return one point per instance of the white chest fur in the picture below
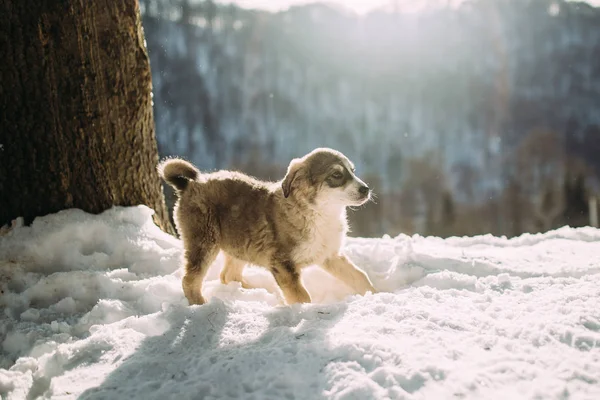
(324, 236)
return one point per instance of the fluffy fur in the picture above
(283, 226)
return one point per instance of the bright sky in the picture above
(359, 6)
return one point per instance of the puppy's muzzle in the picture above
(364, 190)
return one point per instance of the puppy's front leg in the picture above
(288, 279)
(343, 269)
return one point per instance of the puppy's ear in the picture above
(290, 176)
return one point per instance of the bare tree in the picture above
(547, 207)
(76, 109)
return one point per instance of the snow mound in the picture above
(93, 309)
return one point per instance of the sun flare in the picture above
(360, 7)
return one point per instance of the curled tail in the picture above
(177, 172)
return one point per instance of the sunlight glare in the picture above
(360, 7)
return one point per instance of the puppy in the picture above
(283, 226)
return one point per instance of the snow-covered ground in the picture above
(93, 308)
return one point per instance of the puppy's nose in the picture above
(364, 190)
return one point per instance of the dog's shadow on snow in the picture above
(212, 351)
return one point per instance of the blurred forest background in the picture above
(480, 118)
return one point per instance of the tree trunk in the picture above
(76, 109)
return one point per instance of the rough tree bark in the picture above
(77, 127)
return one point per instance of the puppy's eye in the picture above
(337, 175)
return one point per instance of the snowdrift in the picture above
(93, 309)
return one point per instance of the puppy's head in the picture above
(325, 175)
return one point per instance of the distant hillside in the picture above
(448, 104)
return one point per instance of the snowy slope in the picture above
(93, 309)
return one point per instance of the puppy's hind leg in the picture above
(288, 279)
(199, 257)
(232, 271)
(350, 274)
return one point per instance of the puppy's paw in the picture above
(372, 290)
(196, 299)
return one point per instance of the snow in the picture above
(93, 309)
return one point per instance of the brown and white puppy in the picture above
(283, 226)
